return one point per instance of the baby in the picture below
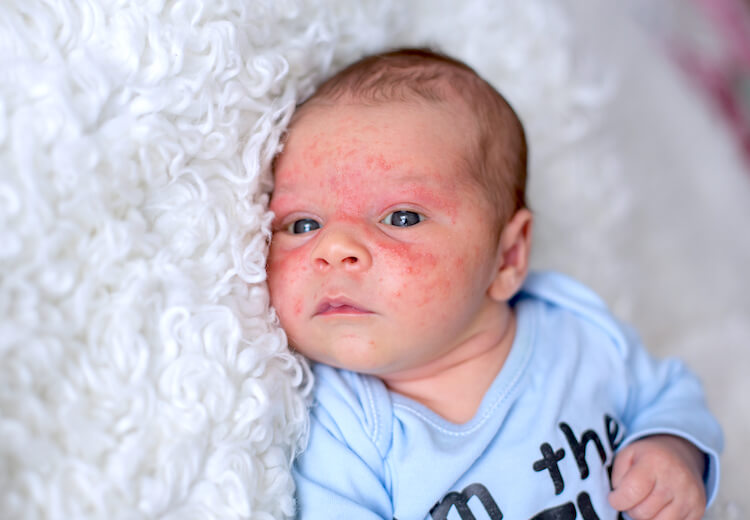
(450, 383)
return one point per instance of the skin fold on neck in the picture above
(453, 386)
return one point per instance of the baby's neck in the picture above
(455, 389)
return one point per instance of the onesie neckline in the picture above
(501, 392)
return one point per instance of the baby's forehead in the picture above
(381, 126)
(329, 115)
(420, 143)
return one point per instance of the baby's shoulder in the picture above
(565, 305)
(562, 290)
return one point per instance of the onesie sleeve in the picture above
(664, 397)
(341, 472)
(661, 397)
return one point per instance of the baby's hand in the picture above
(659, 478)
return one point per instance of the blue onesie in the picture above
(576, 387)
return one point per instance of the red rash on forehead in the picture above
(378, 162)
(312, 155)
(352, 162)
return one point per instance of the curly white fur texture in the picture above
(142, 372)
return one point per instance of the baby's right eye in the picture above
(303, 225)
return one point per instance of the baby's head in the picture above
(400, 227)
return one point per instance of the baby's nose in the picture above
(341, 248)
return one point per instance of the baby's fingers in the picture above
(623, 462)
(633, 487)
(654, 480)
(671, 511)
(658, 505)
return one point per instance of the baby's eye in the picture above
(303, 225)
(403, 218)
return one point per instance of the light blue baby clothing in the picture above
(576, 386)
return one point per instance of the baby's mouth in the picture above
(339, 306)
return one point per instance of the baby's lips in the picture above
(339, 306)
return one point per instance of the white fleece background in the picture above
(142, 374)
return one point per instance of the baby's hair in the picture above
(499, 159)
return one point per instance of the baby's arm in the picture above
(668, 466)
(341, 472)
(659, 478)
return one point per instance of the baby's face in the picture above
(383, 248)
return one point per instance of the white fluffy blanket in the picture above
(142, 373)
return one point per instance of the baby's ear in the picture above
(514, 248)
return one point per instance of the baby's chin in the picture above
(352, 363)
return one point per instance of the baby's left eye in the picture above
(403, 218)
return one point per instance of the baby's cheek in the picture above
(285, 274)
(437, 284)
(406, 258)
(431, 299)
(420, 276)
(284, 265)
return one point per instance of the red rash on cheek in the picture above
(436, 288)
(423, 280)
(286, 270)
(411, 261)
